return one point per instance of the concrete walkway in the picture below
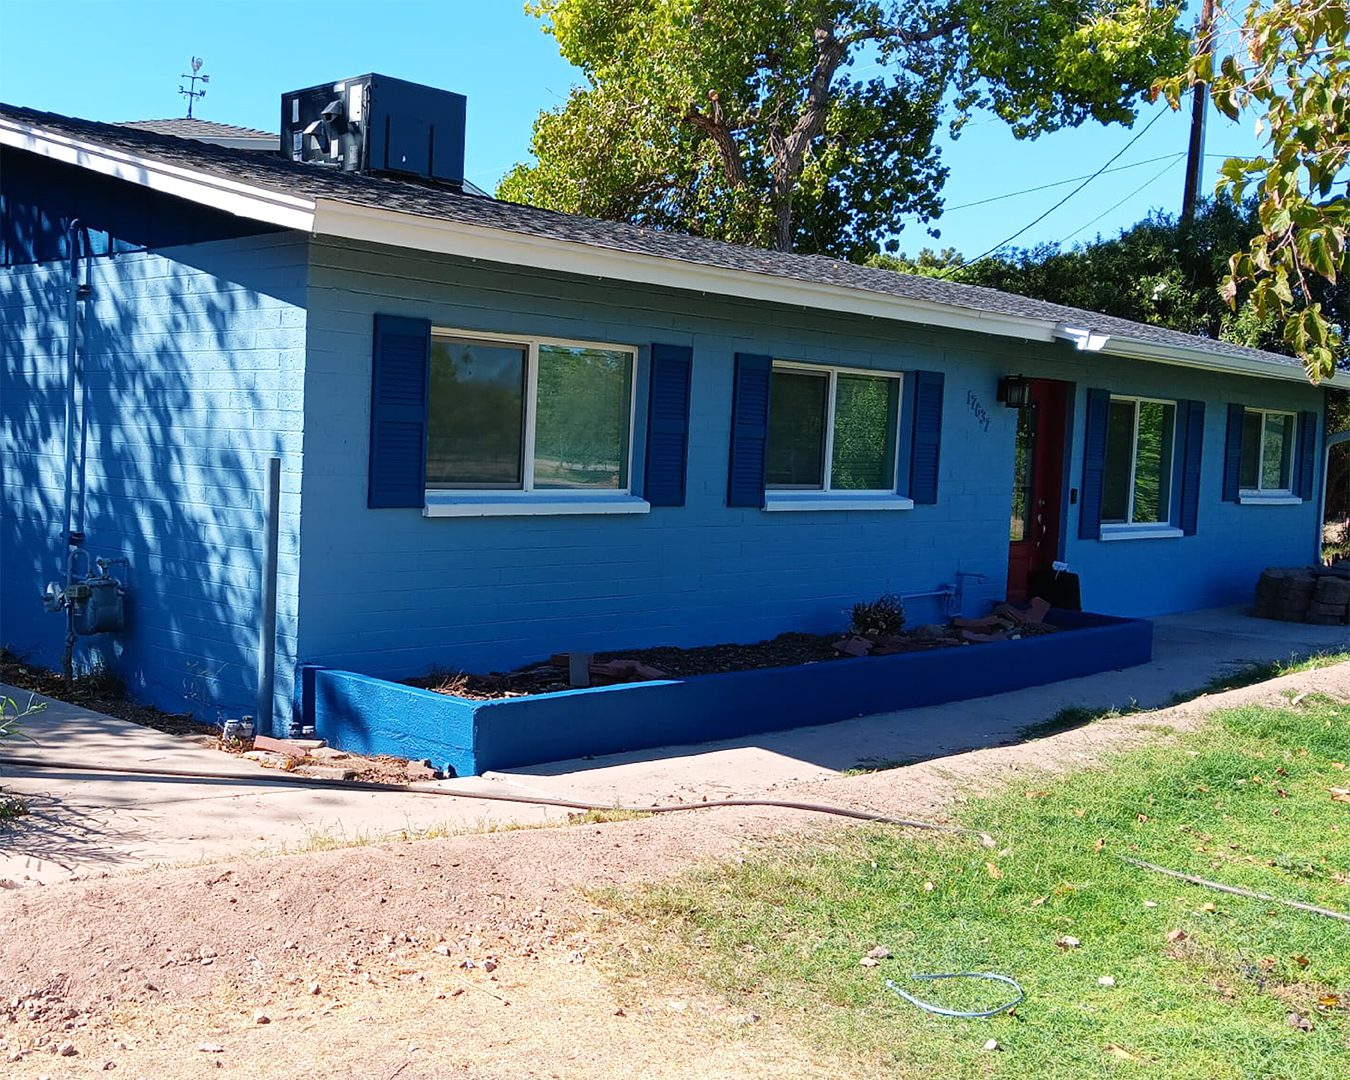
(86, 822)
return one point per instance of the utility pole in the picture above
(192, 93)
(1195, 155)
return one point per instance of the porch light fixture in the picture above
(1014, 391)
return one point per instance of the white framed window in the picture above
(520, 425)
(1266, 467)
(1140, 451)
(833, 438)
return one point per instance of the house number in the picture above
(981, 417)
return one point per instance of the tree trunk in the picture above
(782, 212)
(789, 151)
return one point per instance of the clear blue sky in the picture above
(120, 60)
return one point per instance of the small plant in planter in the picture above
(883, 617)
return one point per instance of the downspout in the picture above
(267, 622)
(79, 291)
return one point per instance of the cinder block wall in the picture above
(391, 592)
(1233, 543)
(194, 365)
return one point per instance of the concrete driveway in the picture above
(85, 822)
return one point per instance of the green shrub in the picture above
(883, 617)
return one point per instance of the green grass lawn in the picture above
(1247, 801)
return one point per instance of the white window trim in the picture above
(1248, 497)
(527, 499)
(1262, 496)
(826, 497)
(801, 499)
(1141, 530)
(495, 503)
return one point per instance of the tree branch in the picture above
(936, 30)
(714, 127)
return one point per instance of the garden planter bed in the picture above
(662, 663)
(367, 715)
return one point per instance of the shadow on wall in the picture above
(193, 379)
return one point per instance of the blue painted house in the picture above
(506, 432)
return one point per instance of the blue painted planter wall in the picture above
(195, 378)
(370, 715)
(390, 593)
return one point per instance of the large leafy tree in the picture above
(1162, 271)
(813, 124)
(1286, 62)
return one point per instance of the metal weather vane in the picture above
(190, 91)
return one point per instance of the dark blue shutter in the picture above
(1191, 430)
(1232, 453)
(749, 430)
(668, 425)
(1094, 464)
(1307, 455)
(925, 452)
(401, 364)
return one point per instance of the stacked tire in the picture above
(1298, 594)
(1330, 602)
(1285, 593)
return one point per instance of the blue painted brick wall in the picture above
(1233, 542)
(390, 592)
(195, 378)
(204, 362)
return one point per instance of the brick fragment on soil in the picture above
(279, 746)
(324, 772)
(422, 770)
(854, 646)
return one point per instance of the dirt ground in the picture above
(477, 956)
(98, 692)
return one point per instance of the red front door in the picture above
(1038, 485)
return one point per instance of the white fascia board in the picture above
(351, 222)
(1182, 356)
(231, 196)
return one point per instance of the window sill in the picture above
(1269, 498)
(530, 504)
(1140, 532)
(834, 500)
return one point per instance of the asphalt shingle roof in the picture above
(192, 127)
(278, 174)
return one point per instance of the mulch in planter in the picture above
(668, 661)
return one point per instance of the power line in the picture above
(1061, 183)
(1114, 158)
(1156, 176)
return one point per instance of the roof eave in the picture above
(379, 226)
(1182, 356)
(352, 221)
(230, 196)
